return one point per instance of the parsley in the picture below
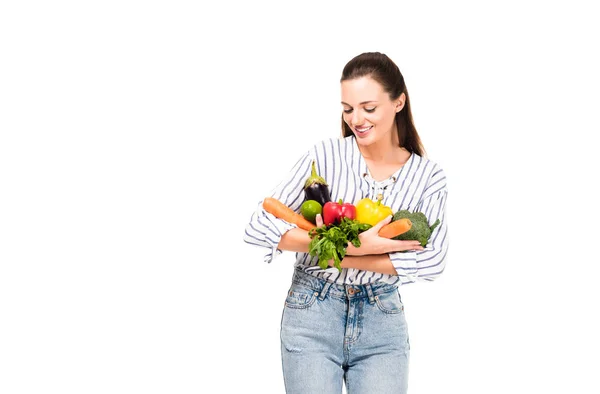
(330, 242)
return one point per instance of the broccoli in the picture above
(420, 230)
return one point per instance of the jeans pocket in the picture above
(389, 302)
(300, 297)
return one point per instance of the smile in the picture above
(363, 129)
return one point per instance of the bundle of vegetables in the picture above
(329, 242)
(340, 227)
(343, 222)
(420, 230)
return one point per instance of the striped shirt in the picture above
(419, 185)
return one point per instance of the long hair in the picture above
(383, 70)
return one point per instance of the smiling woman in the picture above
(375, 103)
(379, 159)
(369, 117)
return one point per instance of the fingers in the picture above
(319, 220)
(382, 223)
(411, 245)
(402, 246)
(417, 246)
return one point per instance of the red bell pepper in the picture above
(333, 212)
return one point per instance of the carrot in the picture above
(282, 211)
(395, 228)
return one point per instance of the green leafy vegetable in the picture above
(330, 242)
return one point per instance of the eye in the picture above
(369, 110)
(348, 111)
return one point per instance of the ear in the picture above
(399, 103)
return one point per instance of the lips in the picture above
(363, 130)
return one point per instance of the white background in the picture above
(138, 137)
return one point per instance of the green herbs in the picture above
(330, 242)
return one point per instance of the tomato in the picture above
(310, 209)
(372, 212)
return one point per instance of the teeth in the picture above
(362, 130)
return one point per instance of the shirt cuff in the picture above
(405, 264)
(281, 227)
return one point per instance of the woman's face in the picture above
(368, 110)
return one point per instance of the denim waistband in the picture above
(324, 287)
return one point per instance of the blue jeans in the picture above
(334, 333)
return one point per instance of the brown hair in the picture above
(383, 70)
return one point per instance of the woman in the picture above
(350, 325)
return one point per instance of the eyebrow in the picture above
(364, 102)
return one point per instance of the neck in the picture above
(378, 153)
(382, 151)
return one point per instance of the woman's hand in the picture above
(372, 243)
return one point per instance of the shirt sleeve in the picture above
(264, 229)
(427, 264)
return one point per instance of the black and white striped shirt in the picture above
(419, 185)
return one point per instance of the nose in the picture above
(357, 118)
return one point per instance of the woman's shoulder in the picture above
(432, 170)
(426, 163)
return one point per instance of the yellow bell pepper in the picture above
(372, 212)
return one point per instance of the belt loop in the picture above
(324, 291)
(370, 293)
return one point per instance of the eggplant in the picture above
(316, 188)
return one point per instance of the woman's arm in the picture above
(374, 262)
(429, 263)
(295, 240)
(372, 244)
(372, 255)
(264, 229)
